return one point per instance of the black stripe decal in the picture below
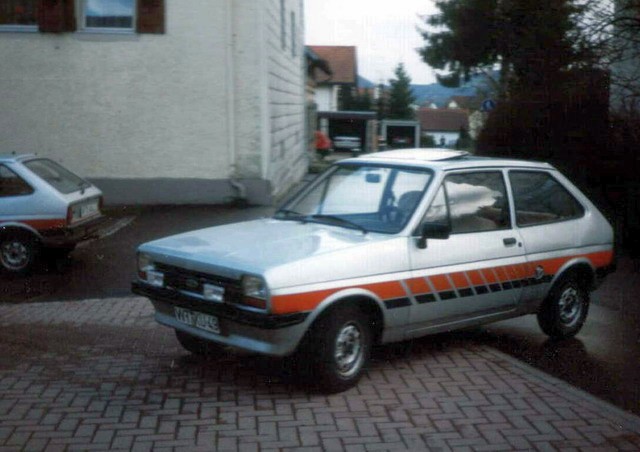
(447, 295)
(495, 287)
(425, 298)
(397, 303)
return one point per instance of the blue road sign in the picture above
(488, 105)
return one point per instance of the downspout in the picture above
(239, 187)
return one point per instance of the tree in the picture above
(531, 41)
(400, 96)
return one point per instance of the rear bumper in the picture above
(61, 237)
(276, 335)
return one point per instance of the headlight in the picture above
(147, 271)
(254, 292)
(254, 287)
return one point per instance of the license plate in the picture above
(198, 319)
(87, 210)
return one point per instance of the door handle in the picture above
(510, 241)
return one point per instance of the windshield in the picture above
(361, 196)
(57, 176)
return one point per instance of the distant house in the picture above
(343, 63)
(317, 70)
(443, 124)
(462, 102)
(158, 101)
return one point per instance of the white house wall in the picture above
(287, 160)
(327, 97)
(162, 118)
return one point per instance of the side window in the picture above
(11, 184)
(477, 202)
(539, 198)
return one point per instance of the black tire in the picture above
(18, 252)
(198, 346)
(340, 346)
(565, 309)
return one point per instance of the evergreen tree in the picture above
(381, 102)
(400, 96)
(532, 41)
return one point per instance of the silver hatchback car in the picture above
(385, 248)
(43, 205)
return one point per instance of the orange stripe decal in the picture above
(459, 280)
(40, 225)
(389, 290)
(475, 277)
(418, 286)
(440, 283)
(489, 276)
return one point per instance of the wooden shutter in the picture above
(150, 17)
(56, 16)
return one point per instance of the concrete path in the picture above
(101, 374)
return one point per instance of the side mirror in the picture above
(439, 231)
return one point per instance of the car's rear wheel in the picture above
(342, 341)
(198, 346)
(18, 251)
(565, 309)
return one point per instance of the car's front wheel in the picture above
(342, 339)
(18, 252)
(565, 309)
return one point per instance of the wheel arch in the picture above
(581, 267)
(364, 300)
(9, 227)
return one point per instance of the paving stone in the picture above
(119, 381)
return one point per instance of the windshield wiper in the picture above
(286, 214)
(335, 219)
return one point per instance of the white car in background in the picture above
(43, 206)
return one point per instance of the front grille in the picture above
(190, 281)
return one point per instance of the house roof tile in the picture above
(443, 120)
(341, 59)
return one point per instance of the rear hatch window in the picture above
(57, 176)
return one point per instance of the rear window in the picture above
(57, 176)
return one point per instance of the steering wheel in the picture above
(390, 214)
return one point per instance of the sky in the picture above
(110, 8)
(384, 32)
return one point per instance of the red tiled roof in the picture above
(443, 119)
(341, 59)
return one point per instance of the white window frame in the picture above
(108, 30)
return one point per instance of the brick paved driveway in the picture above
(102, 375)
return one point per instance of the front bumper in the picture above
(61, 237)
(276, 335)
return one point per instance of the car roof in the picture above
(444, 159)
(13, 158)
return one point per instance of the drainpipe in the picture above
(241, 190)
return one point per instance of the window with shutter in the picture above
(18, 14)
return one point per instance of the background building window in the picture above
(115, 14)
(18, 12)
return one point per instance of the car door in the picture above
(477, 271)
(549, 219)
